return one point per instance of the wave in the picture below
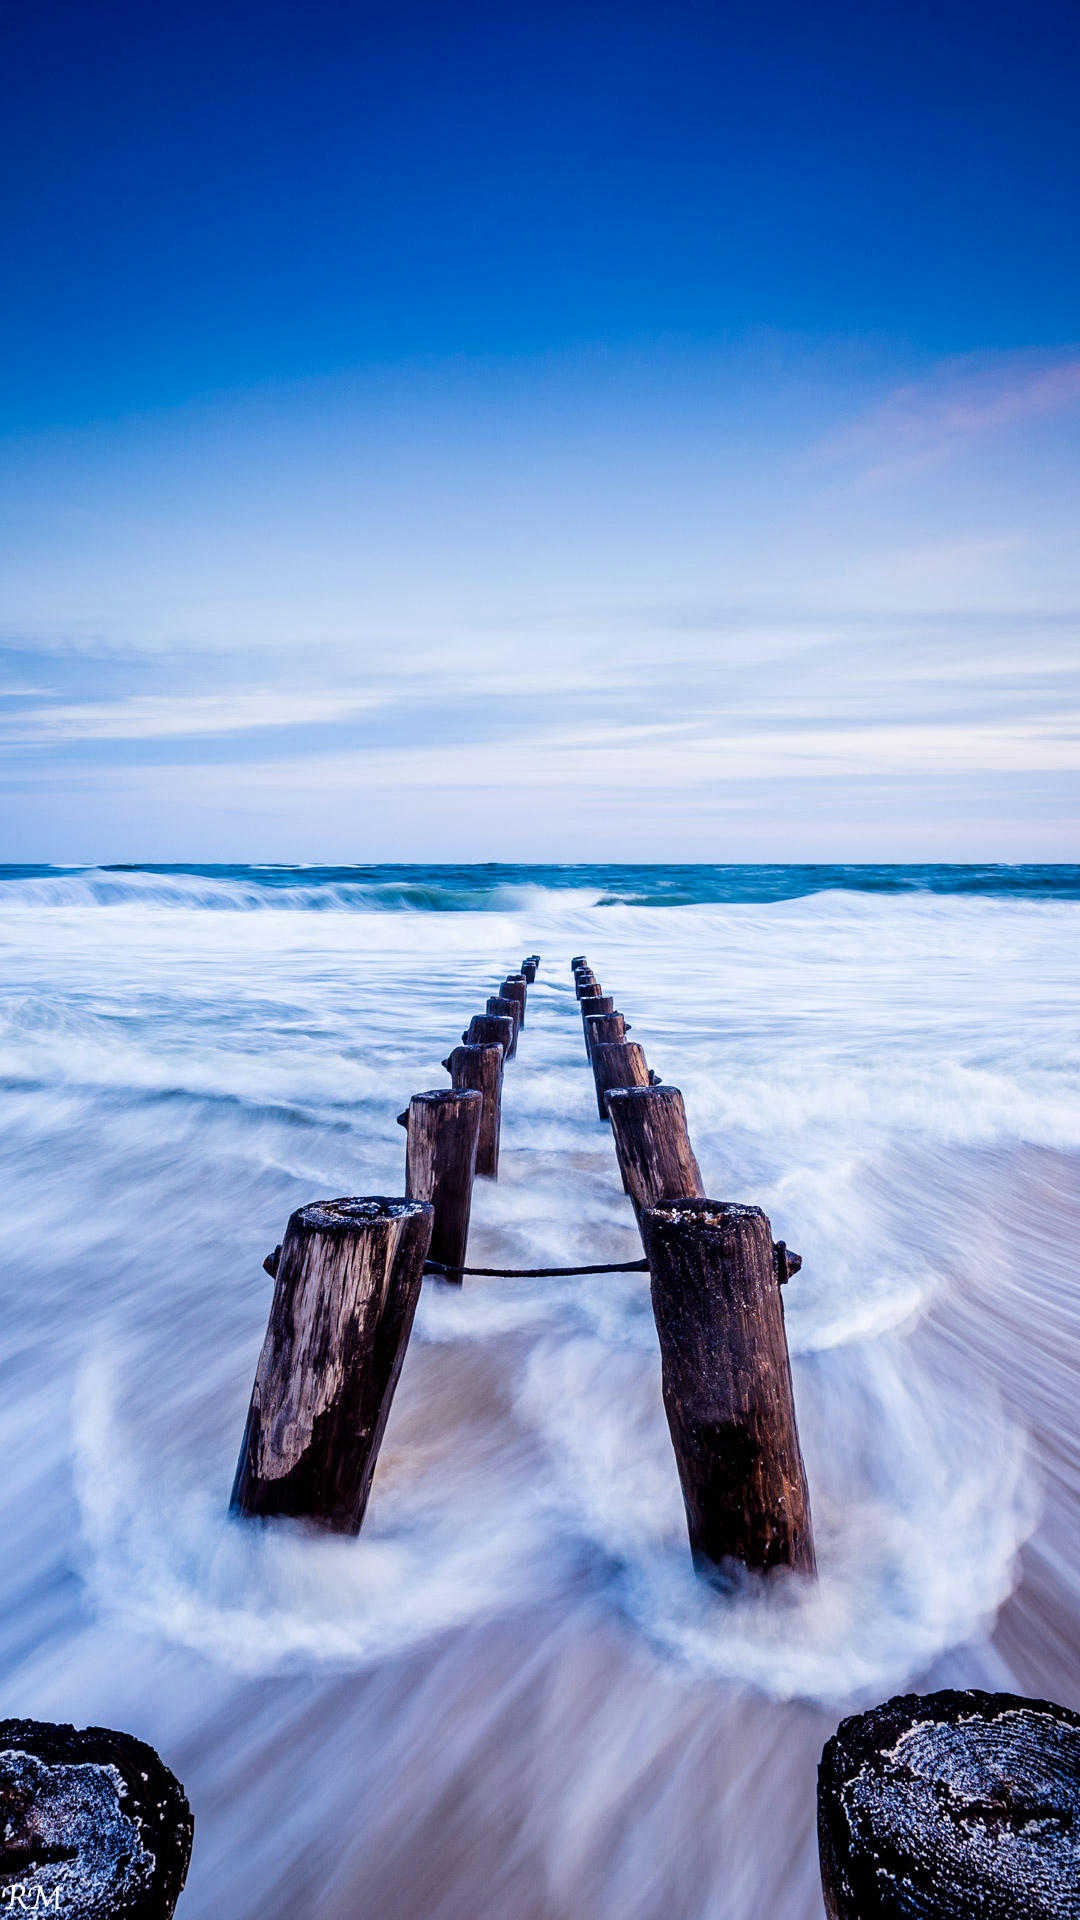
(501, 888)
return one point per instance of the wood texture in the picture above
(587, 986)
(727, 1384)
(594, 1003)
(94, 1824)
(482, 1068)
(579, 960)
(348, 1279)
(948, 1806)
(487, 1029)
(440, 1161)
(528, 968)
(514, 988)
(655, 1157)
(501, 1003)
(601, 1028)
(617, 1063)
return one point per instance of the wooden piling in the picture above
(347, 1282)
(617, 1063)
(501, 1003)
(727, 1384)
(655, 1157)
(579, 960)
(594, 1003)
(440, 1161)
(514, 988)
(94, 1823)
(482, 1068)
(587, 986)
(945, 1806)
(490, 1029)
(600, 1028)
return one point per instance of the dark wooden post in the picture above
(594, 1003)
(514, 988)
(440, 1161)
(579, 960)
(94, 1823)
(529, 966)
(600, 1028)
(727, 1383)
(490, 1029)
(943, 1806)
(617, 1063)
(587, 986)
(501, 1003)
(345, 1292)
(482, 1068)
(656, 1159)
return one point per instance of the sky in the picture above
(586, 433)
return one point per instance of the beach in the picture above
(510, 1696)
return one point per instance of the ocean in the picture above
(510, 1699)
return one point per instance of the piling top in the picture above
(444, 1096)
(672, 1214)
(346, 1216)
(658, 1095)
(975, 1795)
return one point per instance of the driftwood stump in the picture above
(490, 1029)
(94, 1826)
(482, 1068)
(947, 1806)
(655, 1157)
(617, 1063)
(727, 1384)
(346, 1286)
(500, 1003)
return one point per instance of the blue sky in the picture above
(610, 432)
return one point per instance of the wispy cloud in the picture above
(925, 423)
(183, 716)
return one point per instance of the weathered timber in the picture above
(594, 1003)
(528, 968)
(617, 1063)
(945, 1806)
(514, 988)
(482, 1068)
(579, 960)
(587, 987)
(501, 1003)
(490, 1029)
(653, 1147)
(727, 1384)
(95, 1827)
(440, 1161)
(603, 1027)
(345, 1292)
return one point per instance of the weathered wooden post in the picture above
(944, 1806)
(579, 960)
(617, 1063)
(600, 1028)
(490, 1029)
(727, 1384)
(482, 1068)
(94, 1824)
(514, 988)
(501, 1003)
(529, 966)
(443, 1129)
(587, 986)
(346, 1286)
(655, 1157)
(594, 1003)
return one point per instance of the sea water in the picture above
(510, 1699)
